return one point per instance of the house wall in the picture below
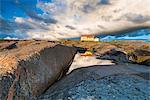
(89, 38)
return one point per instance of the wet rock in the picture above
(28, 70)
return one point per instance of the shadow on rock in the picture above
(101, 82)
(116, 55)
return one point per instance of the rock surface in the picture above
(118, 82)
(33, 70)
(134, 51)
(28, 68)
(122, 81)
(117, 56)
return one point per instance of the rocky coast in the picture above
(55, 70)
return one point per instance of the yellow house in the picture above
(89, 38)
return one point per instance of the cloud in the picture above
(35, 16)
(95, 16)
(137, 18)
(19, 20)
(5, 26)
(17, 28)
(30, 9)
(72, 18)
(20, 26)
(70, 27)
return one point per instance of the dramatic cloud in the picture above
(17, 28)
(137, 18)
(77, 17)
(20, 26)
(31, 10)
(5, 26)
(72, 18)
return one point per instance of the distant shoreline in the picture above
(129, 36)
(138, 35)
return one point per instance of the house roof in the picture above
(87, 35)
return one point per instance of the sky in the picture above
(143, 34)
(58, 19)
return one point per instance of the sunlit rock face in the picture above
(28, 68)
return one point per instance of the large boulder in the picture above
(28, 68)
(117, 82)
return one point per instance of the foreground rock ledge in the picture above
(102, 82)
(28, 68)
